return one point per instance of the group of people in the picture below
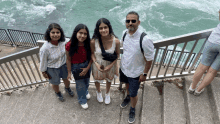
(60, 57)
(80, 55)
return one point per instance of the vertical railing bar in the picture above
(33, 41)
(15, 72)
(155, 57)
(183, 58)
(21, 72)
(31, 69)
(25, 70)
(164, 58)
(9, 37)
(189, 56)
(11, 73)
(38, 58)
(4, 80)
(197, 56)
(16, 37)
(7, 76)
(170, 59)
(38, 72)
(179, 57)
(191, 60)
(161, 60)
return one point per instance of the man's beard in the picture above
(131, 28)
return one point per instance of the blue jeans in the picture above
(82, 85)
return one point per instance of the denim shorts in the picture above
(133, 83)
(80, 65)
(211, 56)
(57, 73)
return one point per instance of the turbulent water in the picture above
(159, 18)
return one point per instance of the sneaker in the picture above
(196, 93)
(107, 98)
(125, 102)
(131, 116)
(60, 96)
(88, 96)
(190, 90)
(68, 90)
(84, 106)
(99, 96)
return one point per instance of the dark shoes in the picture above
(68, 90)
(125, 102)
(60, 96)
(131, 115)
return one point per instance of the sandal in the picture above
(196, 93)
(190, 90)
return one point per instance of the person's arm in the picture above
(148, 48)
(117, 50)
(43, 62)
(68, 64)
(92, 45)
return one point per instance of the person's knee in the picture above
(203, 68)
(212, 71)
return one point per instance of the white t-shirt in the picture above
(215, 35)
(132, 61)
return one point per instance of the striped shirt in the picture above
(52, 56)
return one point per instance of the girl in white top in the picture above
(209, 62)
(102, 69)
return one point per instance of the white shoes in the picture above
(194, 91)
(107, 98)
(99, 96)
(84, 106)
(88, 96)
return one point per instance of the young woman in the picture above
(53, 59)
(102, 69)
(78, 54)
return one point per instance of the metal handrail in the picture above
(22, 69)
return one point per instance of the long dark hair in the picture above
(50, 27)
(97, 34)
(74, 41)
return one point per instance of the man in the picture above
(134, 64)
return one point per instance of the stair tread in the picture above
(125, 111)
(34, 105)
(215, 86)
(174, 109)
(19, 110)
(151, 109)
(9, 106)
(200, 111)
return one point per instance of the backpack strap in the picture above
(124, 36)
(141, 39)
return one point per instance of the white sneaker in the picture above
(84, 106)
(99, 96)
(88, 96)
(107, 98)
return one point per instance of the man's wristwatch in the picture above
(145, 74)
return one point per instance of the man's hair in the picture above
(133, 12)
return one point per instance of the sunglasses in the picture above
(128, 21)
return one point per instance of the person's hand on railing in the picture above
(142, 78)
